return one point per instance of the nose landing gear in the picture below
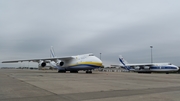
(88, 71)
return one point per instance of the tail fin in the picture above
(123, 62)
(52, 54)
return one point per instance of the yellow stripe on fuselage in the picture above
(88, 63)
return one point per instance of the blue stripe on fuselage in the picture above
(162, 67)
(126, 67)
(82, 67)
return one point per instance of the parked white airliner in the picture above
(148, 67)
(86, 62)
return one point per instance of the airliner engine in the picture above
(136, 67)
(60, 63)
(146, 67)
(42, 64)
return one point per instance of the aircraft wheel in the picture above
(61, 71)
(73, 71)
(88, 71)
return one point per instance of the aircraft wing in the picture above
(42, 59)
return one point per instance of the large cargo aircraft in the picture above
(148, 67)
(86, 62)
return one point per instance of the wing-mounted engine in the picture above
(60, 63)
(147, 67)
(42, 63)
(137, 68)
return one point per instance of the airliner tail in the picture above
(123, 62)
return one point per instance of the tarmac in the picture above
(48, 85)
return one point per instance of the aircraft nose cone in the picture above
(178, 68)
(99, 62)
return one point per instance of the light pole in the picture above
(151, 54)
(100, 56)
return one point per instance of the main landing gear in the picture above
(88, 71)
(74, 71)
(64, 71)
(61, 71)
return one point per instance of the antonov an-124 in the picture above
(86, 62)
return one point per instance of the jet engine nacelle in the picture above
(137, 68)
(61, 63)
(146, 67)
(42, 64)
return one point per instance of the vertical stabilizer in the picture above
(52, 54)
(123, 62)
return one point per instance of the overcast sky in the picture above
(28, 28)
